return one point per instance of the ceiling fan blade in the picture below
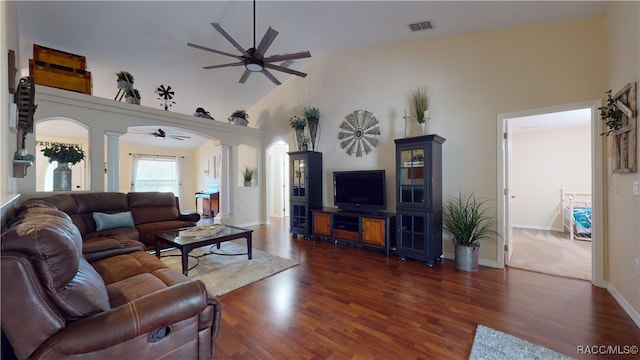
(270, 76)
(244, 76)
(284, 69)
(283, 57)
(266, 41)
(230, 39)
(213, 50)
(223, 65)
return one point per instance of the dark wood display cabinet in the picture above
(305, 181)
(359, 229)
(419, 198)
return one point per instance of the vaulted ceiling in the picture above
(148, 38)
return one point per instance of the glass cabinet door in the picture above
(299, 177)
(411, 173)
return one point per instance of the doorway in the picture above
(277, 180)
(536, 168)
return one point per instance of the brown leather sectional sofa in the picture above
(152, 212)
(72, 291)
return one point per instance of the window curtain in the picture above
(134, 172)
(178, 186)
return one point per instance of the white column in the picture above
(225, 182)
(113, 160)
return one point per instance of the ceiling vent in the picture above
(422, 25)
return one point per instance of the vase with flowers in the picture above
(65, 155)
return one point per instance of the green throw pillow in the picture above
(110, 221)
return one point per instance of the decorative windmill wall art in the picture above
(357, 133)
(166, 94)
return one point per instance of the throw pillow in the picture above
(110, 221)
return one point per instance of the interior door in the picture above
(508, 195)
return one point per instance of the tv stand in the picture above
(360, 229)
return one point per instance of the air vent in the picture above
(422, 25)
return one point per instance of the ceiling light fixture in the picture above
(254, 65)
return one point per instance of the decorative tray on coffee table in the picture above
(200, 231)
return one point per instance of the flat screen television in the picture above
(362, 191)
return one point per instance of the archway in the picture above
(62, 130)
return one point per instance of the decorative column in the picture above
(225, 183)
(113, 160)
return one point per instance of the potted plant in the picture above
(23, 155)
(313, 115)
(420, 99)
(468, 221)
(304, 144)
(201, 112)
(248, 176)
(298, 124)
(611, 115)
(125, 80)
(132, 96)
(239, 117)
(64, 155)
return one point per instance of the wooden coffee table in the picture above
(186, 244)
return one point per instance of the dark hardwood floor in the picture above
(347, 303)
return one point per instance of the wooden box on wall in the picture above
(60, 76)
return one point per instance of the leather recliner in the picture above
(124, 304)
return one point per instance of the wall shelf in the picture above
(20, 168)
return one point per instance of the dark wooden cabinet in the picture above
(210, 203)
(358, 229)
(321, 223)
(419, 198)
(305, 181)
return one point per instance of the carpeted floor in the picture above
(551, 252)
(224, 273)
(490, 344)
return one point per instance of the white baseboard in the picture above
(481, 261)
(633, 314)
(249, 224)
(534, 227)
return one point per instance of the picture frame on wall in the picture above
(624, 140)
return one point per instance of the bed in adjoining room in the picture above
(576, 214)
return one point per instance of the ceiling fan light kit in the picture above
(253, 59)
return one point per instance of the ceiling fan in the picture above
(162, 134)
(253, 59)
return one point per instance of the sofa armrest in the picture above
(195, 217)
(139, 317)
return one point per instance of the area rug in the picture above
(492, 344)
(225, 273)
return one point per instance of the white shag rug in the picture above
(492, 344)
(225, 273)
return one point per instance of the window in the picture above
(155, 173)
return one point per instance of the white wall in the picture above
(544, 161)
(471, 78)
(622, 234)
(9, 38)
